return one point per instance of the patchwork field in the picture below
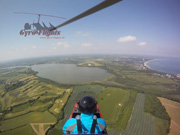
(27, 100)
(173, 109)
(60, 102)
(23, 122)
(140, 124)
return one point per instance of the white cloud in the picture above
(86, 45)
(83, 34)
(126, 39)
(64, 44)
(142, 44)
(34, 47)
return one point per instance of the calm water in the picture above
(171, 66)
(70, 73)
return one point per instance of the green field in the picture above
(26, 99)
(111, 101)
(24, 92)
(154, 107)
(34, 117)
(92, 63)
(116, 107)
(27, 130)
(59, 103)
(140, 124)
(162, 126)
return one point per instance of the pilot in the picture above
(86, 122)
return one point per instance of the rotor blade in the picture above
(92, 10)
(25, 13)
(52, 16)
(39, 14)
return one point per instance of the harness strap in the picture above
(79, 127)
(94, 124)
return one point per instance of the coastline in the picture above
(146, 63)
(167, 71)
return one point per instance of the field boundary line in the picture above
(175, 124)
(14, 128)
(172, 105)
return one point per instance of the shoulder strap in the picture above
(94, 124)
(79, 127)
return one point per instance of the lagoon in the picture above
(70, 73)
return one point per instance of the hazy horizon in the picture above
(80, 55)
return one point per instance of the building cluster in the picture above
(140, 67)
(158, 75)
(164, 75)
(178, 76)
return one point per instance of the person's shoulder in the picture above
(102, 121)
(70, 122)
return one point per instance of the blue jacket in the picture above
(86, 123)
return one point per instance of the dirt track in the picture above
(41, 131)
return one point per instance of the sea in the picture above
(166, 65)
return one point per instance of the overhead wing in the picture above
(92, 10)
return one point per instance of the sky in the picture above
(143, 27)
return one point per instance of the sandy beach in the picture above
(146, 63)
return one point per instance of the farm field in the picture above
(140, 124)
(93, 63)
(173, 109)
(60, 102)
(116, 107)
(154, 108)
(20, 131)
(23, 122)
(27, 99)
